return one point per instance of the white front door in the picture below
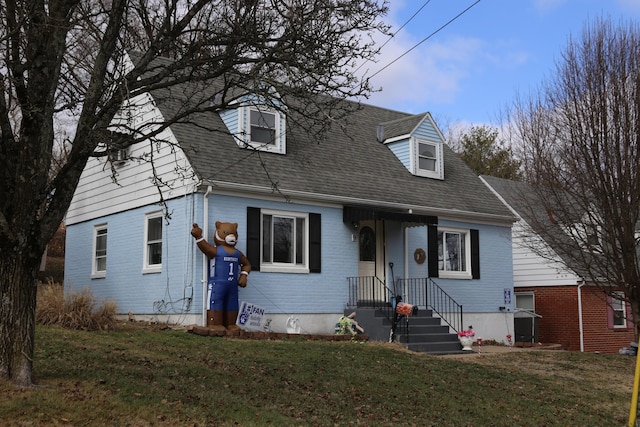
(371, 262)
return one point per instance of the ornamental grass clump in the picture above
(75, 310)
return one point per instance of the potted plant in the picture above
(466, 338)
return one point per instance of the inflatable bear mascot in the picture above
(231, 270)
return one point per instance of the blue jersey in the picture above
(227, 266)
(223, 280)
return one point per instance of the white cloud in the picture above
(428, 75)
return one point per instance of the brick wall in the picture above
(558, 306)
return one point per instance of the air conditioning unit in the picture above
(120, 157)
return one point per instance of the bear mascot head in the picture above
(231, 270)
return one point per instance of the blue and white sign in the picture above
(250, 316)
(507, 296)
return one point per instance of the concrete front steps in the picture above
(425, 333)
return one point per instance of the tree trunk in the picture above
(635, 314)
(18, 287)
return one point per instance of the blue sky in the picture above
(470, 70)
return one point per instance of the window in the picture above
(153, 243)
(452, 251)
(428, 159)
(282, 241)
(264, 129)
(99, 268)
(455, 253)
(618, 310)
(367, 244)
(427, 156)
(284, 238)
(525, 301)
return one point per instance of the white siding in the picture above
(97, 194)
(531, 269)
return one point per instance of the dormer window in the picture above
(427, 156)
(263, 129)
(428, 160)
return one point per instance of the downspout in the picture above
(406, 258)
(205, 260)
(580, 325)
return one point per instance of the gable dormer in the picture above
(257, 126)
(417, 143)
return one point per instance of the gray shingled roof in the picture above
(349, 165)
(521, 197)
(400, 127)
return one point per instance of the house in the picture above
(554, 303)
(379, 207)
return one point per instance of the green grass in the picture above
(137, 376)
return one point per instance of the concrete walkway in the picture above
(494, 349)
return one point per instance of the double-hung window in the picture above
(458, 253)
(263, 129)
(99, 265)
(283, 241)
(618, 311)
(153, 243)
(453, 255)
(428, 160)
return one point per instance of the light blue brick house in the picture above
(379, 207)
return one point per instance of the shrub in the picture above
(75, 310)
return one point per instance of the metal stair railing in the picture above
(368, 291)
(427, 294)
(372, 292)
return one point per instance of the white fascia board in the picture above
(450, 214)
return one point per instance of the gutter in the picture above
(452, 214)
(580, 325)
(205, 260)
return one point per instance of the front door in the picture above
(371, 269)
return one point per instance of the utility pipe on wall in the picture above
(580, 325)
(205, 260)
(406, 258)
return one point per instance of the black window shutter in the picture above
(475, 254)
(253, 237)
(315, 247)
(432, 251)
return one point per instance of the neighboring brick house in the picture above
(568, 310)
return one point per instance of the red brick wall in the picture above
(558, 306)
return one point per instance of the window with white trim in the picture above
(264, 129)
(428, 161)
(283, 241)
(262, 125)
(99, 265)
(454, 253)
(153, 243)
(619, 309)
